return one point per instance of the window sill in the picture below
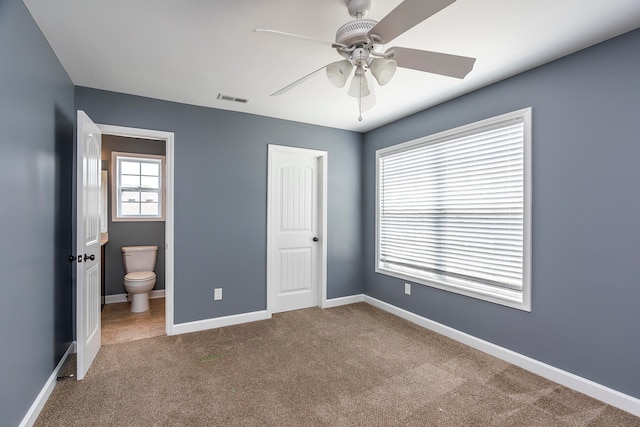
(507, 297)
(138, 219)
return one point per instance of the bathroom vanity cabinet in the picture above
(104, 239)
(102, 281)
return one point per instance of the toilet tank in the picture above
(139, 258)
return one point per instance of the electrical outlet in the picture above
(407, 288)
(217, 294)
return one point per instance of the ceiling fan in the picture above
(361, 42)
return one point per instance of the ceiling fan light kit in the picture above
(338, 72)
(383, 69)
(360, 43)
(359, 87)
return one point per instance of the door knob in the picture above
(89, 257)
(315, 239)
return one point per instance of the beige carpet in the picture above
(346, 366)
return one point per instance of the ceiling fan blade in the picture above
(406, 15)
(293, 36)
(297, 82)
(433, 62)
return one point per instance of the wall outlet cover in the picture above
(217, 294)
(407, 288)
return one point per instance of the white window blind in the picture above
(451, 209)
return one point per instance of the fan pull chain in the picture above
(360, 101)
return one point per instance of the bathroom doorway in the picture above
(118, 323)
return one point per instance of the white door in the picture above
(294, 232)
(88, 330)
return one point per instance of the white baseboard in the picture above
(219, 322)
(33, 412)
(113, 299)
(567, 379)
(336, 302)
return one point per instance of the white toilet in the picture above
(139, 263)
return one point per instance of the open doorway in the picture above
(119, 322)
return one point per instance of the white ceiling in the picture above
(189, 51)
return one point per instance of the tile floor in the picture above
(120, 325)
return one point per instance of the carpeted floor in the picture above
(347, 366)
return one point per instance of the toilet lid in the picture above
(140, 275)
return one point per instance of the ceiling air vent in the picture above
(232, 98)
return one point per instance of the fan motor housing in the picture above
(355, 32)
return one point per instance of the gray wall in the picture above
(586, 215)
(36, 139)
(221, 198)
(138, 233)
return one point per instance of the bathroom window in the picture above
(454, 209)
(137, 187)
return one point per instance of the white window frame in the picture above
(519, 299)
(115, 187)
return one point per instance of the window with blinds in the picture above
(453, 210)
(138, 187)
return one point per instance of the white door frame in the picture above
(323, 158)
(168, 138)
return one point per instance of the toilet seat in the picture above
(138, 284)
(139, 276)
(139, 281)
